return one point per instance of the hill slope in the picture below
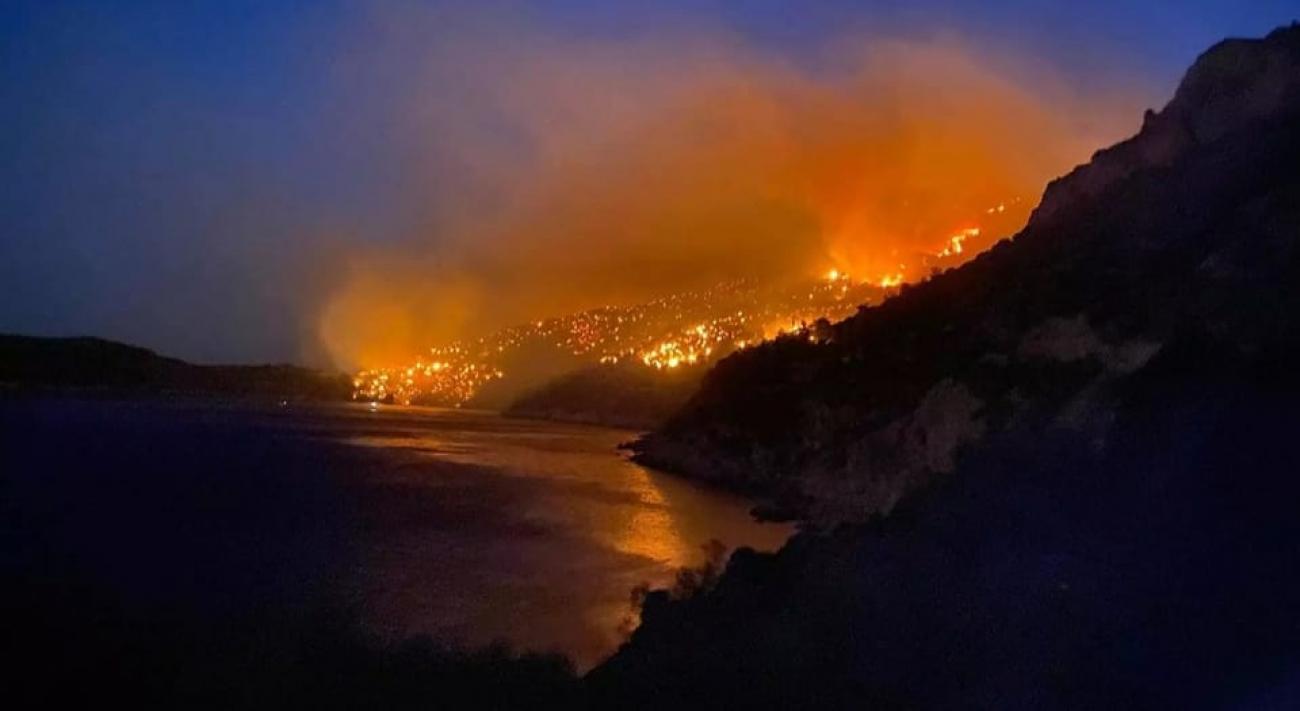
(1189, 228)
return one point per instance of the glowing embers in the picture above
(671, 332)
(696, 344)
(450, 380)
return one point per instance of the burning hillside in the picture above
(687, 328)
(684, 329)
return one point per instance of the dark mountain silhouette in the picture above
(1083, 440)
(1187, 229)
(28, 362)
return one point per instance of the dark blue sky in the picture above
(181, 175)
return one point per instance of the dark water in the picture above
(464, 526)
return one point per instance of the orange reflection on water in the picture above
(650, 530)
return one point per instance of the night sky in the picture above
(193, 177)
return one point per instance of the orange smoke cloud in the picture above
(597, 174)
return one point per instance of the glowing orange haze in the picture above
(633, 171)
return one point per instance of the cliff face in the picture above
(1232, 86)
(1188, 230)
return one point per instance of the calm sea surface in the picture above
(464, 526)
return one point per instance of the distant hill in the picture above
(1188, 230)
(28, 362)
(620, 395)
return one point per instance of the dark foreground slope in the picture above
(28, 362)
(1164, 573)
(1190, 227)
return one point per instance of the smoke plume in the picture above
(561, 175)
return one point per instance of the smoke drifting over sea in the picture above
(563, 176)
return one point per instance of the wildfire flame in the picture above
(891, 281)
(954, 245)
